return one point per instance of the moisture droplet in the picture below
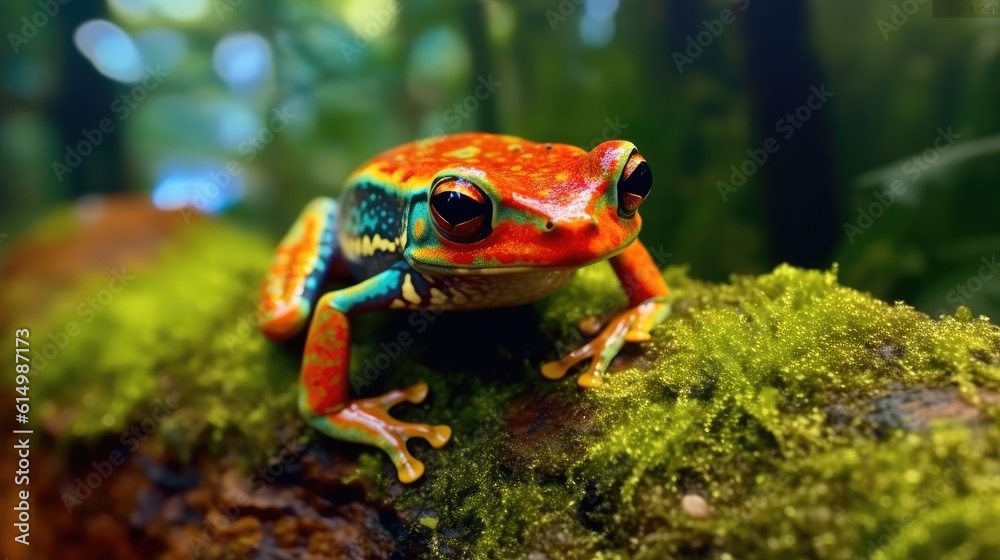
(963, 313)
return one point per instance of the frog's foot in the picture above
(630, 325)
(368, 421)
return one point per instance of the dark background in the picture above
(353, 77)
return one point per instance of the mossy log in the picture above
(777, 416)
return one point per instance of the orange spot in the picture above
(324, 366)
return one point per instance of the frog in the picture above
(457, 222)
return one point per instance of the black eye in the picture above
(461, 210)
(634, 185)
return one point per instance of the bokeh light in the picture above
(369, 19)
(233, 122)
(131, 9)
(597, 27)
(439, 60)
(243, 61)
(163, 47)
(209, 187)
(182, 10)
(110, 49)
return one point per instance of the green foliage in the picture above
(930, 240)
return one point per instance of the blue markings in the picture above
(326, 252)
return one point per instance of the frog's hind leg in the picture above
(323, 397)
(306, 255)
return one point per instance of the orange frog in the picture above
(465, 221)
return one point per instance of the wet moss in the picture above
(784, 401)
(755, 395)
(173, 352)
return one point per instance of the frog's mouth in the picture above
(496, 268)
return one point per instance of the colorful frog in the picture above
(458, 222)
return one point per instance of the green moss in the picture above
(774, 374)
(917, 495)
(773, 397)
(181, 333)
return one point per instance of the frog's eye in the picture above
(461, 210)
(634, 185)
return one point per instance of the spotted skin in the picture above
(301, 262)
(552, 208)
(371, 236)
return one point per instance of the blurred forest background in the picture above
(249, 109)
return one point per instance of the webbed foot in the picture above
(368, 421)
(630, 325)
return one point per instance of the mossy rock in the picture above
(779, 416)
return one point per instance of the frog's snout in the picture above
(571, 227)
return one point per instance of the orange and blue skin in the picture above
(458, 222)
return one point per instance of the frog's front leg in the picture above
(648, 307)
(323, 397)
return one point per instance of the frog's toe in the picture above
(368, 421)
(555, 370)
(414, 394)
(590, 326)
(637, 335)
(408, 467)
(589, 380)
(600, 351)
(559, 368)
(438, 436)
(630, 325)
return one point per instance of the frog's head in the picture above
(522, 206)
